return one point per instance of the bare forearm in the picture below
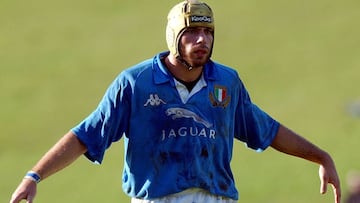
(63, 153)
(291, 143)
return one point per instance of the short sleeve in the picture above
(254, 127)
(107, 122)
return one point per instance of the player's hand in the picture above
(328, 175)
(26, 190)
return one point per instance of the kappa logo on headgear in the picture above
(154, 100)
(219, 96)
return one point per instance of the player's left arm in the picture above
(289, 142)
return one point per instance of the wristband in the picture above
(33, 176)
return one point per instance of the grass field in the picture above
(300, 61)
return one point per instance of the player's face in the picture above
(196, 44)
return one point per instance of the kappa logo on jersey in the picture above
(176, 113)
(154, 100)
(219, 96)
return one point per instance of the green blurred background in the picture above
(299, 60)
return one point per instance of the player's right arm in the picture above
(62, 154)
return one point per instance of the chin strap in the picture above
(189, 67)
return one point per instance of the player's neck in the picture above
(180, 71)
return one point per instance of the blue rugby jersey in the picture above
(172, 145)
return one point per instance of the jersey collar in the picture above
(162, 75)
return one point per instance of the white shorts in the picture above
(189, 196)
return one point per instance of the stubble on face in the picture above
(195, 47)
